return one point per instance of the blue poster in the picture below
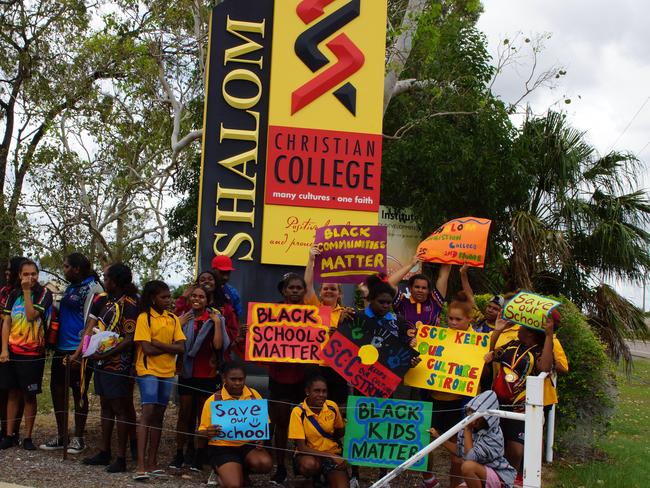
(384, 432)
(241, 420)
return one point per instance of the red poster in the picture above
(323, 168)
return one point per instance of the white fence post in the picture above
(534, 431)
(550, 434)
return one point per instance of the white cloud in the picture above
(604, 47)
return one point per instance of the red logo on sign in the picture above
(349, 57)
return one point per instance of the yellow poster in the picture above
(290, 232)
(452, 360)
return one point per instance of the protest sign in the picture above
(529, 310)
(459, 241)
(385, 432)
(368, 356)
(452, 360)
(284, 333)
(241, 420)
(349, 253)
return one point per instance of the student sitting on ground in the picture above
(230, 458)
(316, 426)
(481, 447)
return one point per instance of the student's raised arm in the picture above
(464, 279)
(443, 279)
(309, 271)
(397, 276)
(545, 363)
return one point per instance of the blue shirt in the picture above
(233, 295)
(72, 313)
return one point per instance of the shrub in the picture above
(588, 391)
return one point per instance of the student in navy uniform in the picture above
(115, 310)
(26, 315)
(73, 312)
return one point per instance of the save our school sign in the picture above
(279, 332)
(241, 420)
(452, 360)
(349, 253)
(529, 310)
(384, 432)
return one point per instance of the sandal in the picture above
(141, 476)
(158, 473)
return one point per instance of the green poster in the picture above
(384, 432)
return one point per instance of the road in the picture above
(640, 349)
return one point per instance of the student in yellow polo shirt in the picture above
(158, 338)
(228, 458)
(316, 426)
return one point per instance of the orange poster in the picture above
(459, 241)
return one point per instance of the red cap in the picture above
(222, 263)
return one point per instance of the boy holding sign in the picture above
(228, 457)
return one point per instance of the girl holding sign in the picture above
(317, 427)
(286, 380)
(159, 338)
(331, 295)
(448, 408)
(530, 354)
(228, 458)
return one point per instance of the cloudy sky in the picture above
(604, 47)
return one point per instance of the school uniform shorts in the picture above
(155, 390)
(23, 372)
(219, 455)
(112, 385)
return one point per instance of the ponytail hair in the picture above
(150, 290)
(378, 285)
(462, 302)
(120, 274)
(78, 260)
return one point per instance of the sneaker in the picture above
(8, 441)
(354, 482)
(213, 480)
(28, 445)
(177, 462)
(117, 466)
(280, 476)
(54, 444)
(431, 482)
(76, 445)
(100, 459)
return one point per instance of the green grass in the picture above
(626, 449)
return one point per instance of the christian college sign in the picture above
(292, 126)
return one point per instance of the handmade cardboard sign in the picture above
(349, 253)
(368, 356)
(529, 310)
(241, 420)
(459, 241)
(279, 332)
(452, 360)
(383, 433)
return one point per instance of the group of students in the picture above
(198, 343)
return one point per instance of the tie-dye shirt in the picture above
(27, 337)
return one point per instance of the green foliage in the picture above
(587, 393)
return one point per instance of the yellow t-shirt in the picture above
(206, 414)
(164, 328)
(559, 357)
(329, 418)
